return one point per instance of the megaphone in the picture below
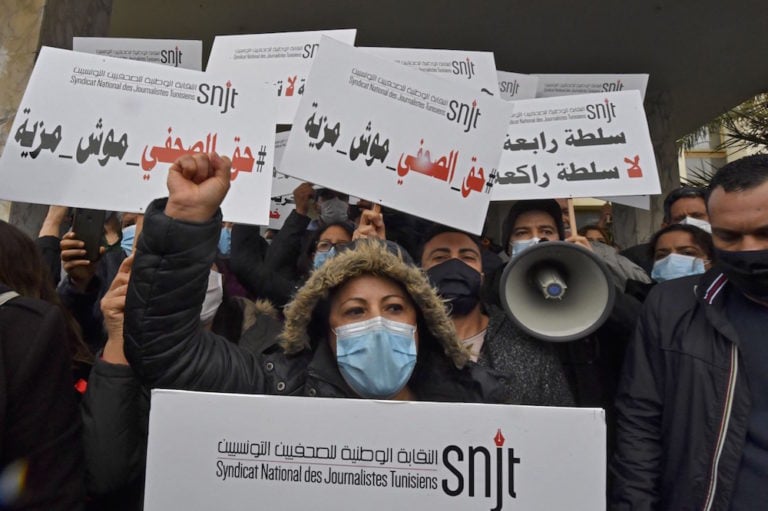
(557, 291)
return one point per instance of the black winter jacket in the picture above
(39, 424)
(683, 404)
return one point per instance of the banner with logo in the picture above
(99, 132)
(476, 69)
(589, 145)
(228, 451)
(281, 61)
(396, 136)
(170, 52)
(514, 86)
(551, 85)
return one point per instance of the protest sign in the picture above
(279, 209)
(99, 132)
(396, 136)
(514, 86)
(282, 61)
(171, 52)
(228, 451)
(577, 146)
(281, 183)
(551, 85)
(476, 69)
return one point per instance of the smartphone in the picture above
(88, 225)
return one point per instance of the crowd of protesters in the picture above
(353, 301)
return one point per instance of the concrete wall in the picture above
(25, 25)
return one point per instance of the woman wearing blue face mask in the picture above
(377, 330)
(679, 251)
(365, 324)
(325, 244)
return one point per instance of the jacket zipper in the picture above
(710, 499)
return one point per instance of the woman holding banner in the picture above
(365, 324)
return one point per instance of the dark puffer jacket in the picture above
(167, 348)
(683, 404)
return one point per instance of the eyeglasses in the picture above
(325, 245)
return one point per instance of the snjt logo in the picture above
(467, 463)
(217, 95)
(605, 110)
(463, 68)
(172, 57)
(464, 114)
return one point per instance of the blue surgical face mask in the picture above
(322, 257)
(225, 241)
(376, 357)
(129, 233)
(675, 266)
(516, 247)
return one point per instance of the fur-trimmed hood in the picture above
(370, 257)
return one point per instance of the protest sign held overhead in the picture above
(514, 86)
(551, 85)
(281, 61)
(284, 452)
(170, 52)
(577, 146)
(396, 136)
(99, 132)
(476, 69)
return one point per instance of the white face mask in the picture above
(701, 224)
(213, 297)
(516, 247)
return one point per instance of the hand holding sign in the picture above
(197, 185)
(302, 195)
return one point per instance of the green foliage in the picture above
(744, 127)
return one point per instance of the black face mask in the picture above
(458, 282)
(747, 270)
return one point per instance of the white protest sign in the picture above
(514, 86)
(281, 183)
(228, 451)
(171, 52)
(476, 69)
(551, 85)
(279, 209)
(282, 61)
(100, 132)
(396, 136)
(282, 202)
(577, 146)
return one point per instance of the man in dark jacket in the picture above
(693, 400)
(528, 369)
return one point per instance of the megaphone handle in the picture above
(572, 217)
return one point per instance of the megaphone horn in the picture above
(557, 291)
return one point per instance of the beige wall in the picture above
(25, 25)
(19, 41)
